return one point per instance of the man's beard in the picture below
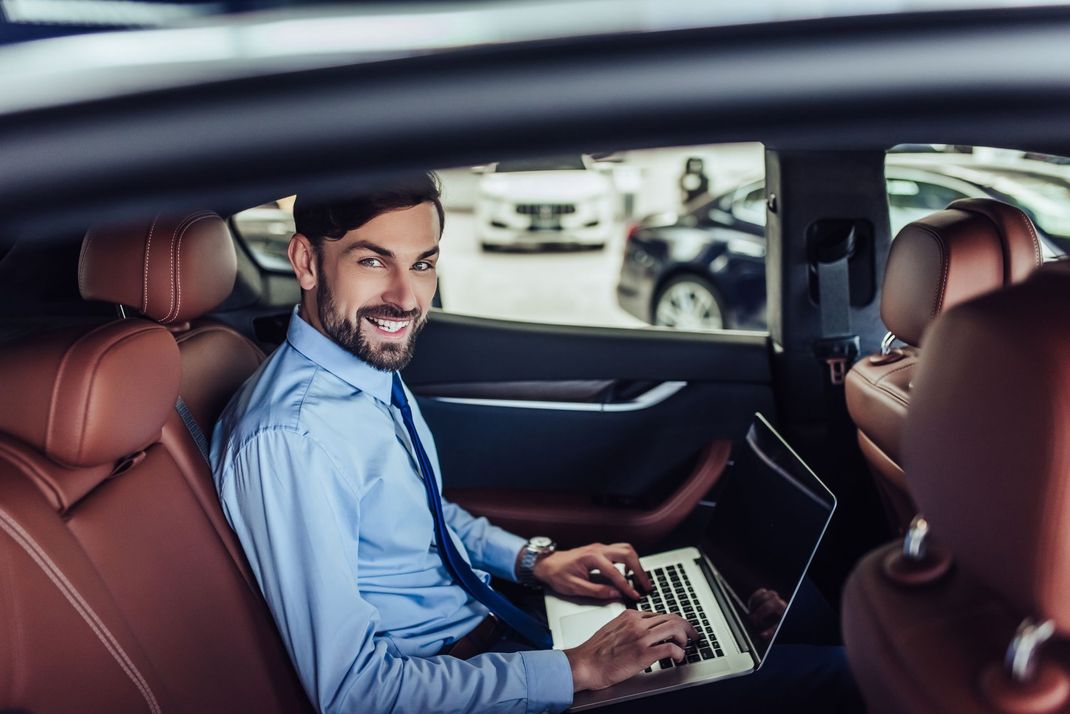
(386, 356)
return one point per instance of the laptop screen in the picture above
(770, 512)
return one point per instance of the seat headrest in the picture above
(987, 446)
(88, 399)
(170, 269)
(973, 246)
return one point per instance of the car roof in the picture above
(109, 140)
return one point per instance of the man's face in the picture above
(373, 286)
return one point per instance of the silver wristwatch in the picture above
(537, 547)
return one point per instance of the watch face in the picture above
(540, 542)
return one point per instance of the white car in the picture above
(534, 204)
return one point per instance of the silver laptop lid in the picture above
(769, 516)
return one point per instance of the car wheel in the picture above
(688, 302)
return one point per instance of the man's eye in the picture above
(371, 262)
(423, 266)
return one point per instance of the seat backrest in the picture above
(970, 248)
(174, 270)
(116, 592)
(987, 456)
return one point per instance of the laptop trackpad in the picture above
(578, 628)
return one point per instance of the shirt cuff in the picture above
(549, 680)
(500, 549)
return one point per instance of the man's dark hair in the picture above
(319, 219)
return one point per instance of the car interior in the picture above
(925, 379)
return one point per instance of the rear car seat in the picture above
(173, 270)
(116, 590)
(987, 456)
(973, 246)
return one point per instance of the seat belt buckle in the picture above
(837, 369)
(838, 354)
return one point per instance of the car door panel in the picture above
(585, 433)
(575, 518)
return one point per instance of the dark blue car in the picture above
(704, 268)
(700, 270)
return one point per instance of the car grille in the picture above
(545, 209)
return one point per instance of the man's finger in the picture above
(586, 588)
(610, 573)
(666, 631)
(669, 649)
(625, 553)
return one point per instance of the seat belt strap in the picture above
(193, 428)
(838, 347)
(834, 291)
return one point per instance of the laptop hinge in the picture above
(717, 586)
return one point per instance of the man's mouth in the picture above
(390, 327)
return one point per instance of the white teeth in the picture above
(390, 325)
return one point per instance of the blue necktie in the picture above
(527, 626)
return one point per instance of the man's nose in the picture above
(399, 291)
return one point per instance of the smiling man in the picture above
(329, 476)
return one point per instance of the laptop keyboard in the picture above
(673, 593)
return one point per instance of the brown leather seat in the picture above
(174, 270)
(116, 591)
(973, 246)
(987, 456)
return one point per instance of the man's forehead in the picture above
(415, 229)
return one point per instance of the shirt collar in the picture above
(328, 354)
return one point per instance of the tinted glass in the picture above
(770, 513)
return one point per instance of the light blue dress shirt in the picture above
(318, 479)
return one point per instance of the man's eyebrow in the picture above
(368, 245)
(428, 253)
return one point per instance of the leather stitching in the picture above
(945, 257)
(1001, 229)
(171, 275)
(893, 371)
(876, 384)
(53, 572)
(897, 397)
(82, 262)
(176, 264)
(34, 474)
(91, 371)
(145, 277)
(1032, 234)
(57, 381)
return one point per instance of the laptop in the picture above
(767, 516)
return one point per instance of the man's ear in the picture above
(303, 259)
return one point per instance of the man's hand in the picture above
(625, 646)
(568, 572)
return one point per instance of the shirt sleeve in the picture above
(298, 518)
(491, 548)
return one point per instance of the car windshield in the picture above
(557, 163)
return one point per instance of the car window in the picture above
(919, 195)
(617, 244)
(922, 180)
(266, 232)
(750, 206)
